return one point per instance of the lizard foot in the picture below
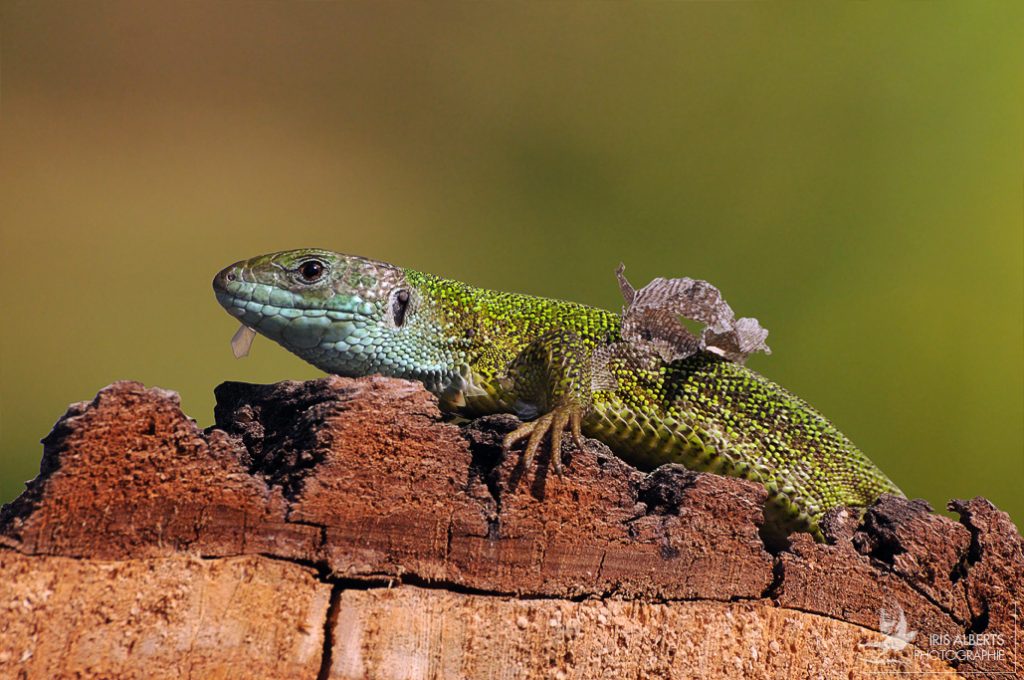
(555, 422)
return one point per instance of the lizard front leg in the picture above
(551, 376)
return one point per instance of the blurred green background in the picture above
(851, 174)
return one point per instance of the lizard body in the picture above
(566, 365)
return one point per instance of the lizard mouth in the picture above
(295, 321)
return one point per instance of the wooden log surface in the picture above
(341, 528)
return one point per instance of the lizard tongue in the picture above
(241, 341)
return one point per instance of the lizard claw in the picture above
(554, 422)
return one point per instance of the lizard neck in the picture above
(478, 334)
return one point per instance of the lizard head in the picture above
(342, 313)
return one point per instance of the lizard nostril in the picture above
(230, 277)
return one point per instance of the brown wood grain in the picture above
(405, 546)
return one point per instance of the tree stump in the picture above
(341, 528)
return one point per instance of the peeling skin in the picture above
(241, 341)
(650, 320)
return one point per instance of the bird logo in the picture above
(892, 623)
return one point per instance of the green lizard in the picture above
(640, 382)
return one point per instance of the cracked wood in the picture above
(361, 484)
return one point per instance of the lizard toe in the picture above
(556, 422)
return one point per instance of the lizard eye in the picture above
(311, 270)
(399, 305)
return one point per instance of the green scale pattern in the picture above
(713, 415)
(485, 352)
(704, 412)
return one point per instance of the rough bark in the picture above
(340, 528)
